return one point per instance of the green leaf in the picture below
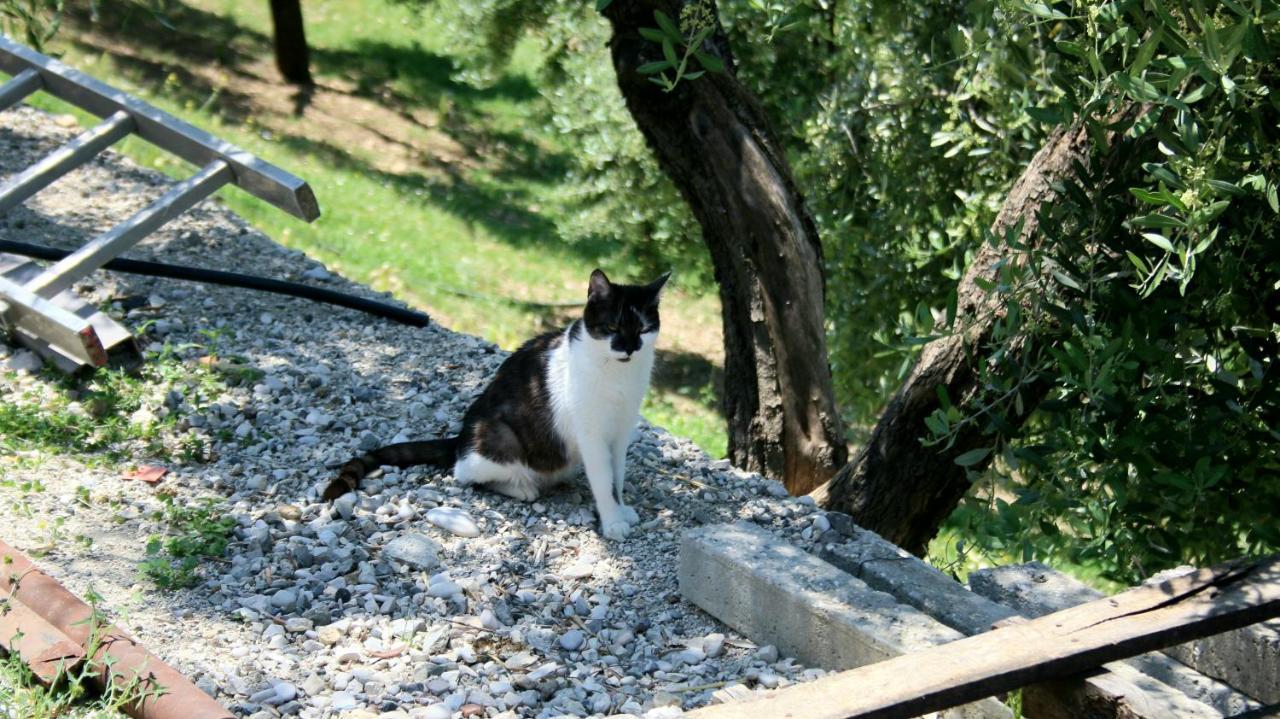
(668, 27)
(972, 457)
(652, 34)
(1136, 88)
(669, 52)
(1146, 52)
(1046, 115)
(1225, 187)
(650, 68)
(709, 61)
(602, 4)
(695, 74)
(1157, 220)
(1153, 198)
(1198, 94)
(1044, 11)
(1159, 241)
(1067, 280)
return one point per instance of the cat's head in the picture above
(623, 318)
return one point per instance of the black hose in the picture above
(232, 279)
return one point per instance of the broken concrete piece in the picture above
(778, 594)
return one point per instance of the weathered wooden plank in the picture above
(1058, 645)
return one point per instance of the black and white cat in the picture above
(564, 401)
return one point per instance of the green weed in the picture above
(191, 535)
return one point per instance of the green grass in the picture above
(96, 425)
(472, 240)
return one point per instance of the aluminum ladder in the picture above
(36, 303)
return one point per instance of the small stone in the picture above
(416, 550)
(581, 569)
(713, 644)
(454, 520)
(438, 711)
(443, 588)
(345, 505)
(342, 701)
(821, 523)
(519, 661)
(313, 685)
(767, 653)
(572, 640)
(285, 692)
(284, 599)
(297, 625)
(329, 635)
(471, 710)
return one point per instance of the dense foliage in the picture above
(1148, 313)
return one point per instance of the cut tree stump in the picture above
(1056, 646)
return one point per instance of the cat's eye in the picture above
(612, 328)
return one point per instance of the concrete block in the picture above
(1034, 590)
(889, 568)
(778, 594)
(1247, 659)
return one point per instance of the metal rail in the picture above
(67, 331)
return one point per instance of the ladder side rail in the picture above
(60, 329)
(254, 175)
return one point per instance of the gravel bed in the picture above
(367, 607)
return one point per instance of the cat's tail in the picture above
(436, 452)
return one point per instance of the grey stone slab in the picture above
(889, 568)
(1034, 590)
(778, 594)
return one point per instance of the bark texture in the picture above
(895, 486)
(712, 138)
(292, 55)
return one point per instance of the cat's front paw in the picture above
(615, 529)
(628, 514)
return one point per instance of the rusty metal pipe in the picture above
(129, 661)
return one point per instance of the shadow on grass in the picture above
(402, 78)
(689, 375)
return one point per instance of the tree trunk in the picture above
(894, 486)
(711, 137)
(292, 56)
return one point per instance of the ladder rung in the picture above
(103, 248)
(63, 160)
(18, 87)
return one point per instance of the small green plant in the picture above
(696, 25)
(191, 534)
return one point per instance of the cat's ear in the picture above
(655, 287)
(599, 287)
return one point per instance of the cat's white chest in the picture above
(594, 398)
